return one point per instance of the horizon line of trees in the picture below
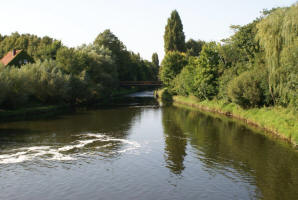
(257, 66)
(62, 75)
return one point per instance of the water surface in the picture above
(138, 150)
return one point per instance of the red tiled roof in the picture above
(9, 57)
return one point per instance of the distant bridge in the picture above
(140, 83)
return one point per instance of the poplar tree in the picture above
(155, 60)
(174, 38)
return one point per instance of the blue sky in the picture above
(138, 23)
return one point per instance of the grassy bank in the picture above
(277, 120)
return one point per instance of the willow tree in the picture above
(174, 38)
(278, 35)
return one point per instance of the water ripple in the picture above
(67, 152)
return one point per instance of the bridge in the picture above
(140, 83)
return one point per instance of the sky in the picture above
(139, 24)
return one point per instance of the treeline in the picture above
(257, 66)
(69, 75)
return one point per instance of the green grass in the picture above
(278, 120)
(281, 121)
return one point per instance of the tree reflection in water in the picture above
(175, 142)
(229, 148)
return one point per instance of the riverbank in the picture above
(279, 121)
(33, 112)
(43, 111)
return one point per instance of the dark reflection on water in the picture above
(175, 142)
(137, 150)
(230, 149)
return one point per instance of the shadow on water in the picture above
(90, 127)
(101, 131)
(226, 147)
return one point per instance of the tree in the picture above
(171, 66)
(174, 38)
(130, 66)
(278, 35)
(71, 60)
(38, 48)
(206, 75)
(155, 60)
(193, 48)
(183, 84)
(111, 42)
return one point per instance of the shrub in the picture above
(250, 89)
(166, 97)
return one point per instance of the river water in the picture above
(137, 149)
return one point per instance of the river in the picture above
(137, 149)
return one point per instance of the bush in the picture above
(250, 89)
(166, 97)
(228, 75)
(14, 88)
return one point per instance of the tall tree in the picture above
(155, 60)
(174, 38)
(278, 35)
(110, 41)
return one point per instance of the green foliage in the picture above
(256, 66)
(239, 53)
(38, 48)
(200, 76)
(130, 66)
(206, 78)
(194, 48)
(183, 84)
(155, 60)
(69, 75)
(155, 65)
(284, 121)
(72, 61)
(174, 38)
(111, 42)
(100, 70)
(250, 89)
(171, 66)
(39, 81)
(244, 40)
(166, 97)
(278, 35)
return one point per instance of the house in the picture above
(16, 58)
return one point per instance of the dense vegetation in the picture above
(255, 67)
(62, 75)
